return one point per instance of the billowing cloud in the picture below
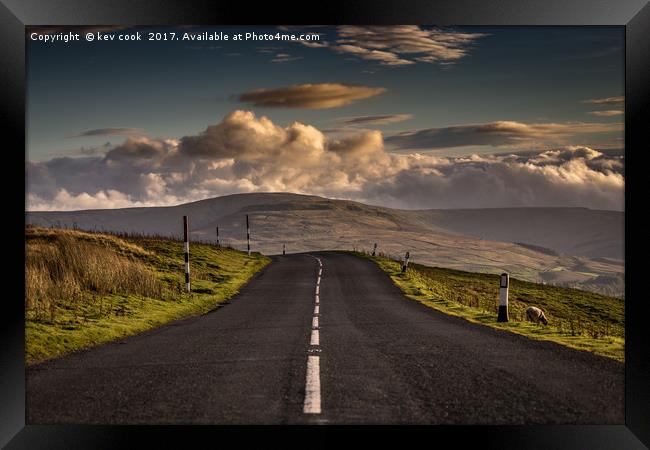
(111, 132)
(376, 120)
(606, 113)
(605, 101)
(496, 134)
(245, 153)
(313, 96)
(403, 44)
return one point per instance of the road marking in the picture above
(315, 337)
(312, 383)
(312, 386)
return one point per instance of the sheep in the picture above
(536, 315)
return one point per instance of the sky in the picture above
(402, 116)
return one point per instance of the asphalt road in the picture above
(345, 348)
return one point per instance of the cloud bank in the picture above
(404, 44)
(312, 96)
(376, 120)
(498, 133)
(245, 153)
(605, 101)
(111, 132)
(606, 113)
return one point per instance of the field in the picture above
(578, 319)
(84, 289)
(570, 247)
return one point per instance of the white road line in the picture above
(312, 386)
(318, 280)
(316, 309)
(315, 338)
(317, 289)
(320, 272)
(317, 299)
(314, 322)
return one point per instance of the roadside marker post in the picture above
(504, 282)
(218, 245)
(248, 236)
(186, 239)
(284, 249)
(374, 249)
(406, 262)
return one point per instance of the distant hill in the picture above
(574, 247)
(577, 231)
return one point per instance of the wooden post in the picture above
(374, 249)
(284, 249)
(504, 281)
(248, 236)
(186, 239)
(406, 262)
(218, 245)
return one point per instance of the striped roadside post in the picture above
(503, 298)
(248, 236)
(374, 249)
(186, 239)
(406, 262)
(218, 237)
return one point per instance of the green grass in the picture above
(91, 317)
(577, 319)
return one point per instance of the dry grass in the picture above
(70, 268)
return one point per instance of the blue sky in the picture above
(171, 89)
(444, 93)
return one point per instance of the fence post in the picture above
(406, 262)
(504, 281)
(374, 249)
(284, 249)
(248, 236)
(186, 239)
(218, 245)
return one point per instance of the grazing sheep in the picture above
(536, 315)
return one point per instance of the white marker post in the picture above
(248, 236)
(374, 249)
(503, 298)
(186, 236)
(406, 262)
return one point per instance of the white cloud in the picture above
(375, 120)
(313, 96)
(605, 101)
(606, 113)
(245, 153)
(404, 44)
(498, 133)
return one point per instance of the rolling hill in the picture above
(574, 247)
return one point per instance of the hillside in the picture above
(577, 319)
(565, 246)
(83, 289)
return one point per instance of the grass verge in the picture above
(85, 289)
(577, 319)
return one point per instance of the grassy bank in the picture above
(84, 289)
(577, 319)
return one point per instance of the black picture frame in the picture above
(634, 15)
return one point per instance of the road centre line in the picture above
(312, 386)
